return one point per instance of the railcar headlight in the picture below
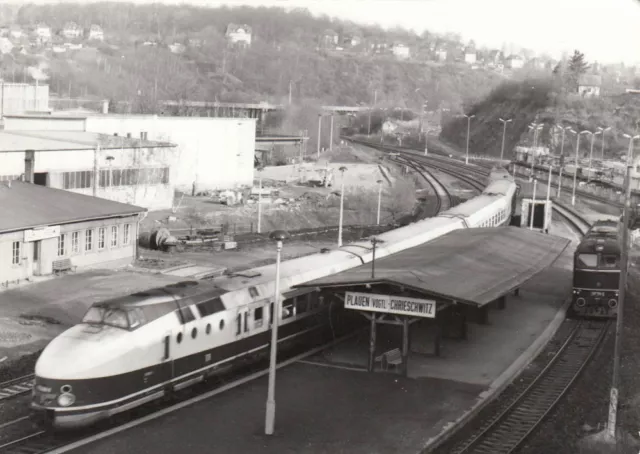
(613, 303)
(66, 399)
(580, 302)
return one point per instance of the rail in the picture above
(504, 432)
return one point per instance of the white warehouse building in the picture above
(120, 169)
(211, 153)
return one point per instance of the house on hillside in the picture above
(71, 30)
(470, 56)
(589, 85)
(15, 32)
(42, 33)
(195, 42)
(239, 35)
(401, 51)
(441, 54)
(350, 40)
(514, 62)
(96, 33)
(379, 47)
(6, 46)
(177, 48)
(329, 38)
(494, 57)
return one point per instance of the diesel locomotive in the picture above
(596, 272)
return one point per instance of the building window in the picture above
(101, 235)
(61, 249)
(88, 240)
(133, 177)
(114, 236)
(126, 234)
(75, 242)
(15, 258)
(77, 180)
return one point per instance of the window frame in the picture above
(61, 245)
(102, 238)
(75, 242)
(126, 234)
(113, 238)
(15, 253)
(88, 240)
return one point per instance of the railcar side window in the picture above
(609, 261)
(302, 303)
(258, 317)
(287, 309)
(210, 307)
(238, 325)
(588, 260)
(186, 315)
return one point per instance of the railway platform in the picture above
(328, 403)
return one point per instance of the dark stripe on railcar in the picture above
(106, 389)
(596, 280)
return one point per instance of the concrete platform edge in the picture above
(500, 383)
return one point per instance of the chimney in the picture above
(29, 163)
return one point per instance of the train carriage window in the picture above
(210, 307)
(302, 304)
(238, 324)
(587, 260)
(185, 315)
(258, 317)
(194, 333)
(221, 325)
(208, 330)
(287, 309)
(609, 261)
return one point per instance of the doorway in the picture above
(41, 178)
(35, 262)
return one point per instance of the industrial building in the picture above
(122, 169)
(19, 98)
(211, 153)
(44, 230)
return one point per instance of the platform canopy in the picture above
(472, 266)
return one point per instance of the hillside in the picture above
(284, 52)
(546, 102)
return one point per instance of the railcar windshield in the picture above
(115, 317)
(587, 260)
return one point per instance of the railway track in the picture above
(502, 432)
(16, 387)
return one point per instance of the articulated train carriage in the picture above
(596, 272)
(138, 348)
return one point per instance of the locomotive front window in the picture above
(106, 316)
(588, 260)
(609, 261)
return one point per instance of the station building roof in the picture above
(472, 266)
(19, 141)
(27, 206)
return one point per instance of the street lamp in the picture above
(549, 183)
(468, 117)
(342, 169)
(622, 285)
(319, 132)
(593, 137)
(331, 135)
(375, 101)
(533, 203)
(379, 199)
(563, 129)
(279, 236)
(504, 132)
(260, 169)
(603, 131)
(575, 172)
(535, 127)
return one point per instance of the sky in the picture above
(607, 31)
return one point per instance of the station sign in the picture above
(399, 305)
(41, 234)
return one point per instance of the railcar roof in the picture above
(159, 295)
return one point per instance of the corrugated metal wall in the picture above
(21, 98)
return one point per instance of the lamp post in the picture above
(319, 132)
(374, 241)
(575, 172)
(602, 150)
(342, 169)
(535, 127)
(622, 285)
(533, 204)
(259, 169)
(593, 137)
(504, 133)
(375, 101)
(560, 181)
(563, 129)
(379, 199)
(331, 135)
(279, 236)
(549, 183)
(468, 117)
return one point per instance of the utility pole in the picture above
(504, 133)
(622, 285)
(319, 133)
(331, 135)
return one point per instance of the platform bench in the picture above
(62, 265)
(392, 357)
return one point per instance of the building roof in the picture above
(592, 80)
(11, 141)
(32, 206)
(473, 266)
